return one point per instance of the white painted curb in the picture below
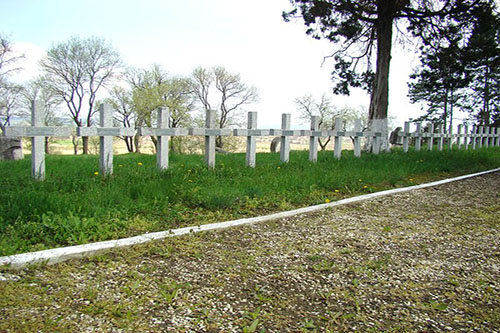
(53, 256)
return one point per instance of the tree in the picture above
(439, 82)
(482, 59)
(9, 92)
(363, 27)
(154, 88)
(308, 106)
(76, 70)
(232, 94)
(462, 72)
(7, 59)
(124, 113)
(37, 90)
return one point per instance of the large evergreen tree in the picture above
(362, 28)
(482, 59)
(439, 82)
(462, 72)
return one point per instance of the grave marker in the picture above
(106, 132)
(37, 131)
(337, 151)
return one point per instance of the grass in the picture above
(76, 206)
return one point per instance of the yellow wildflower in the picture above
(336, 191)
(96, 173)
(139, 164)
(327, 200)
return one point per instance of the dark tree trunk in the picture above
(74, 140)
(379, 99)
(130, 144)
(323, 144)
(85, 143)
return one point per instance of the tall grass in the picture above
(75, 206)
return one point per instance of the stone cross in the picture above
(210, 132)
(106, 132)
(251, 132)
(339, 133)
(37, 131)
(450, 139)
(406, 133)
(251, 141)
(430, 140)
(418, 137)
(466, 138)
(376, 137)
(313, 139)
(480, 135)
(162, 132)
(459, 136)
(440, 137)
(486, 135)
(357, 137)
(285, 140)
(474, 136)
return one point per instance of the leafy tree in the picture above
(482, 59)
(439, 82)
(461, 72)
(363, 28)
(76, 70)
(154, 88)
(230, 91)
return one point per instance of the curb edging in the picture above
(53, 256)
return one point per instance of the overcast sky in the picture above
(247, 37)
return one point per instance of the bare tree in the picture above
(76, 70)
(231, 92)
(37, 90)
(7, 59)
(9, 102)
(308, 106)
(9, 92)
(121, 101)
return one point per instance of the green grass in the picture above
(74, 206)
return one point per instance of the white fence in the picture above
(466, 136)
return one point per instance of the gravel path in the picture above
(427, 260)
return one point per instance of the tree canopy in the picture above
(462, 73)
(362, 31)
(76, 70)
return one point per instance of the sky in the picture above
(246, 37)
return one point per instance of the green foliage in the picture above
(75, 206)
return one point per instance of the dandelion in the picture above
(336, 191)
(327, 200)
(96, 173)
(139, 164)
(366, 186)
